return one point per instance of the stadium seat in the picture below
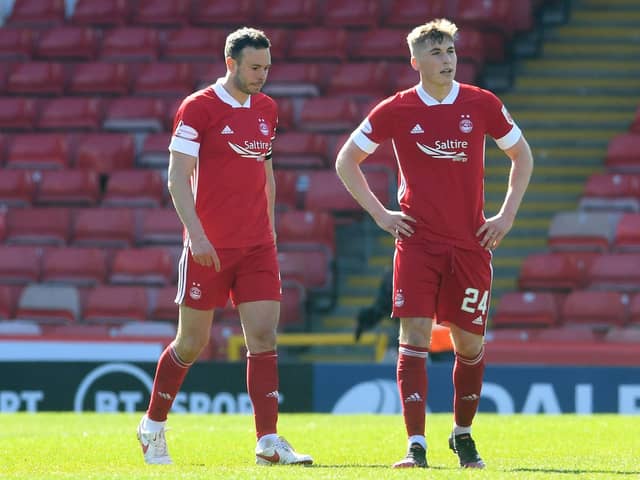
(161, 226)
(104, 227)
(105, 152)
(292, 305)
(285, 114)
(155, 152)
(16, 44)
(142, 266)
(130, 44)
(572, 333)
(313, 269)
(18, 113)
(134, 188)
(635, 126)
(38, 226)
(593, 231)
(169, 79)
(627, 237)
(163, 306)
(116, 305)
(67, 43)
(300, 149)
(17, 188)
(352, 14)
(36, 13)
(622, 153)
(20, 264)
(611, 191)
(3, 222)
(316, 43)
(38, 151)
(286, 195)
(360, 80)
(294, 80)
(39, 78)
(296, 227)
(135, 114)
(68, 187)
(526, 310)
(160, 13)
(408, 13)
(189, 44)
(100, 78)
(634, 311)
(7, 302)
(148, 329)
(379, 44)
(221, 330)
(289, 13)
(495, 14)
(70, 113)
(280, 42)
(599, 309)
(623, 335)
(53, 304)
(471, 47)
(20, 328)
(222, 12)
(328, 114)
(615, 271)
(101, 13)
(74, 266)
(560, 271)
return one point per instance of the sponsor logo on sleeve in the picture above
(507, 116)
(185, 131)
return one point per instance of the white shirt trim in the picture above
(510, 139)
(430, 101)
(188, 147)
(226, 97)
(363, 142)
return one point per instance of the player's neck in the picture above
(437, 91)
(238, 95)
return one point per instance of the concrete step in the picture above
(606, 17)
(595, 51)
(568, 67)
(558, 157)
(609, 4)
(595, 33)
(529, 207)
(543, 83)
(536, 117)
(578, 137)
(569, 173)
(518, 101)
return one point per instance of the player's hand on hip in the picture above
(396, 223)
(204, 254)
(493, 231)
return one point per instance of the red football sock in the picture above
(467, 383)
(262, 386)
(412, 384)
(170, 374)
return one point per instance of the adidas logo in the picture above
(273, 394)
(165, 396)
(414, 397)
(226, 130)
(471, 398)
(417, 129)
(478, 320)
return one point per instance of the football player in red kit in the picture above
(442, 261)
(222, 185)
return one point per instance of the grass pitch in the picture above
(358, 447)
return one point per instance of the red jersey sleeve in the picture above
(500, 125)
(188, 127)
(376, 128)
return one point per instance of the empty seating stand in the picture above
(592, 231)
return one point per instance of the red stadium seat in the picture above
(221, 330)
(328, 114)
(188, 44)
(50, 304)
(17, 188)
(635, 126)
(316, 43)
(561, 271)
(161, 226)
(3, 223)
(42, 150)
(622, 153)
(134, 188)
(100, 78)
(595, 308)
(286, 194)
(634, 311)
(16, 43)
(294, 79)
(115, 305)
(164, 79)
(38, 226)
(526, 310)
(471, 47)
(67, 43)
(71, 114)
(280, 39)
(380, 44)
(161, 13)
(74, 266)
(616, 271)
(289, 13)
(105, 152)
(408, 13)
(360, 80)
(101, 12)
(292, 305)
(482, 14)
(36, 13)
(7, 302)
(143, 266)
(285, 114)
(155, 151)
(611, 191)
(300, 227)
(300, 149)
(104, 227)
(18, 113)
(135, 114)
(36, 78)
(593, 231)
(21, 264)
(622, 335)
(163, 306)
(355, 13)
(571, 333)
(68, 187)
(309, 267)
(222, 12)
(130, 44)
(627, 237)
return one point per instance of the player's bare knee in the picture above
(189, 348)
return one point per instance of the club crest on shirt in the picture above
(263, 127)
(466, 125)
(399, 299)
(195, 292)
(185, 131)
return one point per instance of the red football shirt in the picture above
(439, 147)
(231, 141)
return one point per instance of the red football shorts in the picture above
(448, 283)
(246, 275)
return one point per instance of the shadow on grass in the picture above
(572, 471)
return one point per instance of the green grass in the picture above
(90, 446)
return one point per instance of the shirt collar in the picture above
(226, 97)
(430, 101)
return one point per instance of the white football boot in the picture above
(154, 446)
(280, 452)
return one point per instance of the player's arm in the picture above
(348, 168)
(496, 227)
(270, 189)
(181, 167)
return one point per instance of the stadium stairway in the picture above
(579, 92)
